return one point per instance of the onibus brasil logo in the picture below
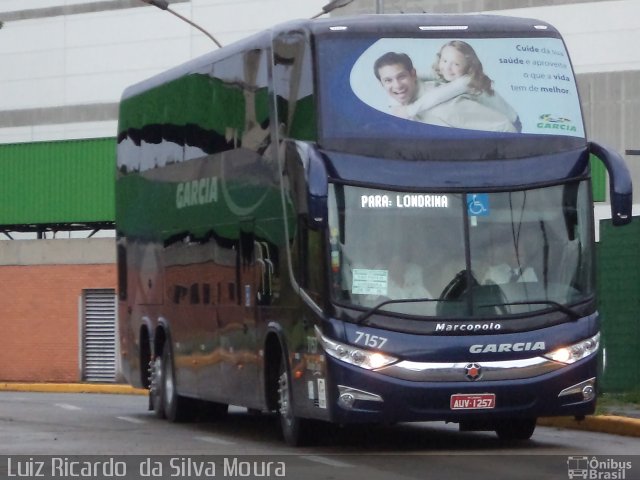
(597, 468)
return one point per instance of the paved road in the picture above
(118, 425)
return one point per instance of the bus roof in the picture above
(497, 25)
(387, 24)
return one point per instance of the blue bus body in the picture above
(269, 193)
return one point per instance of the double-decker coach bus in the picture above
(384, 218)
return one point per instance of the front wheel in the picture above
(294, 429)
(516, 428)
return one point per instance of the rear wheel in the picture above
(155, 387)
(294, 429)
(516, 428)
(176, 407)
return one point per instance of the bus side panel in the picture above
(139, 306)
(198, 186)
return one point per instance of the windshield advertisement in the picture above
(437, 87)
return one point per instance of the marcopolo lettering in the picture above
(507, 347)
(197, 192)
(468, 327)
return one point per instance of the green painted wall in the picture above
(619, 303)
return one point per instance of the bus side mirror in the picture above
(308, 182)
(317, 188)
(620, 186)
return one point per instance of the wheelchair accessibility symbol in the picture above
(478, 204)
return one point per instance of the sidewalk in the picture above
(614, 418)
(613, 424)
(72, 388)
(621, 419)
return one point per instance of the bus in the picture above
(317, 221)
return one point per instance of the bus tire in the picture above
(155, 387)
(176, 407)
(294, 429)
(516, 428)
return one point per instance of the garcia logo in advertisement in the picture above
(548, 121)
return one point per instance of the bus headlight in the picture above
(368, 359)
(578, 351)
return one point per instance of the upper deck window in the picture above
(506, 90)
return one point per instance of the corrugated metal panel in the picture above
(99, 335)
(57, 182)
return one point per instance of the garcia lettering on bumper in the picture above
(507, 347)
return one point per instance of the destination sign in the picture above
(407, 200)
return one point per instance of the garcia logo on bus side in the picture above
(507, 347)
(407, 200)
(197, 192)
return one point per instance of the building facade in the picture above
(50, 333)
(66, 62)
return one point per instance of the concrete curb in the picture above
(600, 423)
(73, 388)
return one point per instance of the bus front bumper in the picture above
(364, 396)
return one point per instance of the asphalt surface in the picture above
(623, 420)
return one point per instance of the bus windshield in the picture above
(461, 255)
(447, 98)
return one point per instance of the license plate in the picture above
(478, 401)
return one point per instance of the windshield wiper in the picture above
(377, 307)
(559, 306)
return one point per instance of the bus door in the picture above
(237, 321)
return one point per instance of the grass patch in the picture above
(627, 397)
(608, 402)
